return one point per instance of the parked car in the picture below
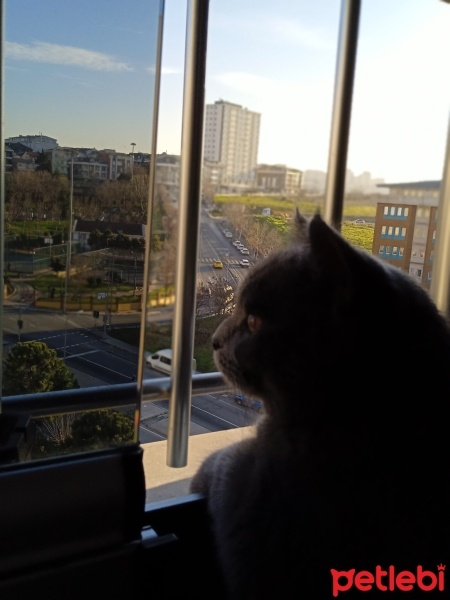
(244, 251)
(359, 221)
(237, 243)
(218, 264)
(162, 361)
(244, 262)
(242, 400)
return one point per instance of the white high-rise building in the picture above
(231, 141)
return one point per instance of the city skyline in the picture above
(90, 83)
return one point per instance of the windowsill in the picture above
(163, 482)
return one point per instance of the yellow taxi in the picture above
(218, 264)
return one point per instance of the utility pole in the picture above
(133, 144)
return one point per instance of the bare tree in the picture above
(57, 429)
(222, 295)
(139, 192)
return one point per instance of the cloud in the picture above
(64, 55)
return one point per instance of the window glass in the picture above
(79, 91)
(269, 96)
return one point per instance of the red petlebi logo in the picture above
(388, 580)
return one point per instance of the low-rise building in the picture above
(405, 227)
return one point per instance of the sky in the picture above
(83, 73)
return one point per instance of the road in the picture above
(213, 244)
(96, 362)
(211, 412)
(83, 344)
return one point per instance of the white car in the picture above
(244, 251)
(162, 361)
(244, 262)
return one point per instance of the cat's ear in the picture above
(332, 255)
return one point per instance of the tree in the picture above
(222, 295)
(102, 427)
(95, 239)
(44, 162)
(56, 429)
(33, 368)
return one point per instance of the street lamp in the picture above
(73, 154)
(69, 239)
(133, 144)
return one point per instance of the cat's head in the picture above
(319, 321)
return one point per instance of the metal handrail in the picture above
(107, 396)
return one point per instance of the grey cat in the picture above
(345, 483)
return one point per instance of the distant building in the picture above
(117, 163)
(37, 143)
(405, 227)
(167, 173)
(314, 182)
(278, 179)
(231, 141)
(90, 163)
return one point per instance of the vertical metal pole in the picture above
(440, 277)
(148, 232)
(189, 218)
(69, 239)
(340, 127)
(2, 171)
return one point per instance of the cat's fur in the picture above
(349, 467)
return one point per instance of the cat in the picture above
(349, 467)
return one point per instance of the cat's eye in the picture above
(253, 322)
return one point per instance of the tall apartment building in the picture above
(405, 228)
(231, 141)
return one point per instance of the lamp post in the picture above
(69, 238)
(133, 144)
(69, 249)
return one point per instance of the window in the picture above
(100, 330)
(83, 312)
